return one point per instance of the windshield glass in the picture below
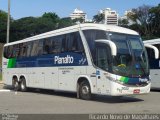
(131, 56)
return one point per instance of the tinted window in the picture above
(34, 48)
(91, 36)
(74, 42)
(57, 44)
(47, 46)
(40, 47)
(63, 43)
(29, 48)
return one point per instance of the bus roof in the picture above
(152, 42)
(74, 28)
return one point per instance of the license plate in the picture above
(136, 91)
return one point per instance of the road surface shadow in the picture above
(155, 89)
(95, 98)
(113, 99)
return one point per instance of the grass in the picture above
(0, 76)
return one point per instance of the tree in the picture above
(22, 28)
(155, 20)
(65, 22)
(123, 22)
(98, 18)
(53, 16)
(3, 26)
(30, 26)
(141, 17)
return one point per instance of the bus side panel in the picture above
(7, 73)
(7, 77)
(91, 73)
(155, 79)
(68, 77)
(51, 78)
(35, 77)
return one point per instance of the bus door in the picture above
(103, 63)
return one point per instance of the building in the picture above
(110, 16)
(78, 14)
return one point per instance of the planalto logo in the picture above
(63, 60)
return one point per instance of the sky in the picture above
(63, 8)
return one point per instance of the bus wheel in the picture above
(15, 84)
(23, 86)
(84, 90)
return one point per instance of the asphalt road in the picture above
(50, 102)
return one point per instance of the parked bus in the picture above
(85, 58)
(154, 63)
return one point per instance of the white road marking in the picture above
(4, 90)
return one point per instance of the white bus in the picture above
(85, 58)
(154, 63)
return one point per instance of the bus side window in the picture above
(80, 47)
(10, 51)
(16, 50)
(102, 56)
(40, 47)
(64, 44)
(70, 39)
(56, 44)
(5, 52)
(75, 42)
(23, 50)
(90, 36)
(34, 48)
(29, 48)
(47, 46)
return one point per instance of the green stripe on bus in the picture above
(11, 63)
(124, 79)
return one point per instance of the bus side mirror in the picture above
(111, 44)
(156, 51)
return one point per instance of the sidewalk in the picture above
(1, 85)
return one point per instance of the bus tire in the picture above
(84, 90)
(23, 86)
(15, 84)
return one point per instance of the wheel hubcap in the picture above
(22, 86)
(85, 90)
(16, 84)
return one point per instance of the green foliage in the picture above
(98, 18)
(146, 21)
(3, 25)
(0, 76)
(123, 23)
(155, 20)
(30, 26)
(65, 22)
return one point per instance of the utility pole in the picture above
(8, 21)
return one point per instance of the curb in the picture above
(1, 82)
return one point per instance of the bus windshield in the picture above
(131, 59)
